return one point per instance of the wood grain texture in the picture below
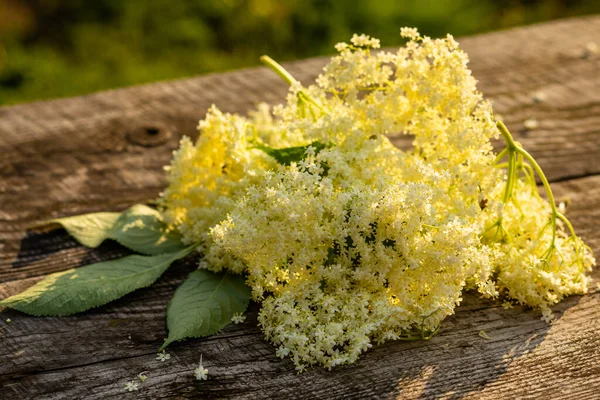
(105, 151)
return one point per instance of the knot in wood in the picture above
(149, 134)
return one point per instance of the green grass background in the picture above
(56, 48)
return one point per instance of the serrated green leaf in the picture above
(204, 304)
(288, 155)
(139, 228)
(79, 289)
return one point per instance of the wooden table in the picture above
(106, 151)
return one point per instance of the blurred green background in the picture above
(55, 48)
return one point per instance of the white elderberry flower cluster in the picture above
(410, 33)
(357, 242)
(365, 41)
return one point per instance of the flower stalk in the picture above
(513, 150)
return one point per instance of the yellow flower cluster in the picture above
(357, 241)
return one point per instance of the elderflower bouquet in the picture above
(343, 239)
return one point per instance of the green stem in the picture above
(510, 143)
(520, 160)
(530, 174)
(302, 95)
(527, 171)
(538, 170)
(501, 155)
(513, 149)
(568, 223)
(510, 177)
(275, 66)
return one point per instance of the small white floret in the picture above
(530, 124)
(238, 318)
(409, 33)
(282, 352)
(131, 386)
(547, 315)
(341, 47)
(163, 356)
(201, 373)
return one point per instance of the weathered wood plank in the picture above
(523, 350)
(94, 153)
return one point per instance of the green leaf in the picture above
(288, 155)
(90, 229)
(139, 228)
(204, 304)
(79, 289)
